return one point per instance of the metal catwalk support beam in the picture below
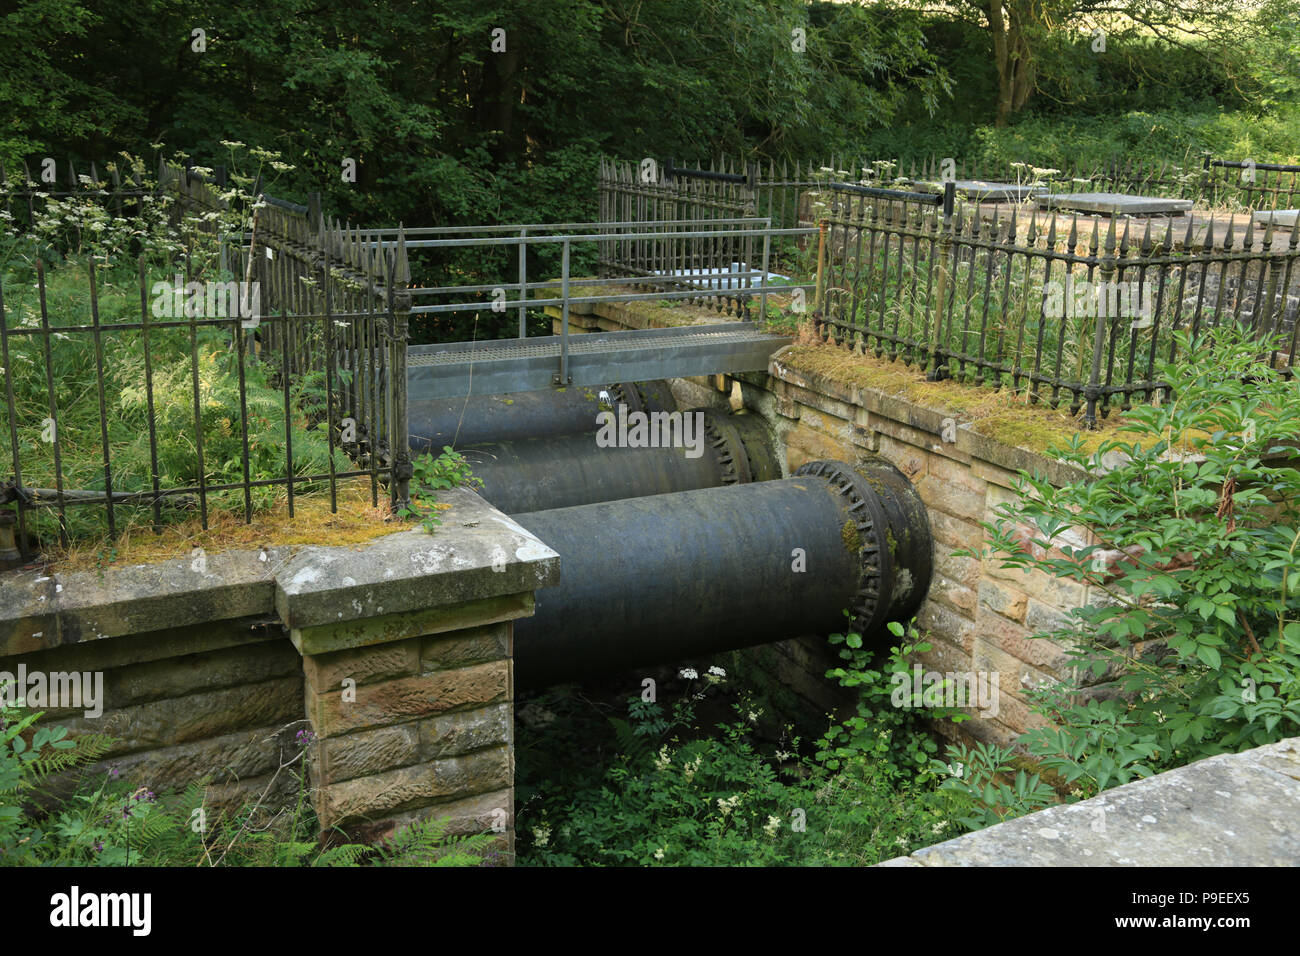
(509, 365)
(678, 576)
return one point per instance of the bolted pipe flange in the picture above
(890, 531)
(726, 445)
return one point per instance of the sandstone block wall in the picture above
(390, 663)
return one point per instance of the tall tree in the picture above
(1019, 30)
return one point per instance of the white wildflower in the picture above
(773, 824)
(688, 673)
(664, 760)
(541, 835)
(689, 768)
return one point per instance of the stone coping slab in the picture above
(982, 190)
(1282, 218)
(477, 553)
(1115, 204)
(1230, 810)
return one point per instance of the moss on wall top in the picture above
(1005, 416)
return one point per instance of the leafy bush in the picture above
(107, 821)
(1194, 537)
(662, 790)
(433, 474)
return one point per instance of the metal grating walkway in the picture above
(595, 358)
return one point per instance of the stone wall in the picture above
(221, 700)
(390, 662)
(978, 616)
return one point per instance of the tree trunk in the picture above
(1014, 59)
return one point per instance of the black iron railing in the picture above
(1073, 311)
(135, 396)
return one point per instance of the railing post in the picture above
(523, 283)
(762, 281)
(1093, 392)
(935, 373)
(399, 300)
(820, 291)
(10, 556)
(562, 377)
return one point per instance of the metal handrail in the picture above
(750, 227)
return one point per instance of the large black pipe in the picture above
(460, 422)
(562, 471)
(671, 577)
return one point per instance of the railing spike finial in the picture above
(403, 265)
(1268, 232)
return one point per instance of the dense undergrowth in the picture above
(60, 805)
(665, 784)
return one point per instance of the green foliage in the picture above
(982, 777)
(447, 470)
(179, 368)
(1196, 633)
(97, 818)
(886, 728)
(661, 788)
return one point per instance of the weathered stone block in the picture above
(909, 459)
(465, 731)
(230, 667)
(955, 596)
(1003, 599)
(482, 813)
(404, 698)
(1230, 810)
(960, 570)
(950, 497)
(943, 623)
(387, 628)
(1042, 619)
(367, 752)
(178, 720)
(231, 757)
(957, 473)
(956, 532)
(473, 646)
(104, 655)
(411, 787)
(1041, 653)
(365, 665)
